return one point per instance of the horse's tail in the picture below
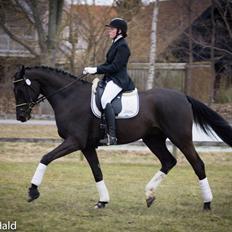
(206, 118)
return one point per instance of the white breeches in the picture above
(110, 92)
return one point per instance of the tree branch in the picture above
(209, 46)
(25, 9)
(17, 39)
(38, 25)
(224, 17)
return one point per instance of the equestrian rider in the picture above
(115, 74)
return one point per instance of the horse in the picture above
(163, 114)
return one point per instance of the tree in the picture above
(212, 53)
(152, 57)
(127, 9)
(84, 42)
(188, 83)
(211, 41)
(35, 13)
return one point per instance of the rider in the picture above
(115, 74)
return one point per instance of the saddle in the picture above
(125, 104)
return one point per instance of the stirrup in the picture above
(109, 140)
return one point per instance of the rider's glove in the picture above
(90, 70)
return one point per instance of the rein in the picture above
(42, 98)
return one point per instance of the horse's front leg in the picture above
(91, 156)
(69, 145)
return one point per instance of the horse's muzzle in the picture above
(23, 116)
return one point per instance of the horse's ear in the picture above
(22, 71)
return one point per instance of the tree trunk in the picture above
(152, 58)
(212, 55)
(72, 39)
(55, 12)
(188, 81)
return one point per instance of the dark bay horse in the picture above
(163, 114)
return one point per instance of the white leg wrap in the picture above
(205, 190)
(39, 173)
(103, 192)
(154, 183)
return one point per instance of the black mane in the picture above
(56, 70)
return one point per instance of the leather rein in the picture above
(32, 103)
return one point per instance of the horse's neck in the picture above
(61, 88)
(51, 83)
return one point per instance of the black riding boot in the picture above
(111, 127)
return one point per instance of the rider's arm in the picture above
(120, 61)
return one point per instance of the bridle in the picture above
(30, 103)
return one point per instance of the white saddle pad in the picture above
(130, 103)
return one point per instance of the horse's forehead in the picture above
(30, 73)
(18, 75)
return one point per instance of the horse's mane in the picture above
(56, 70)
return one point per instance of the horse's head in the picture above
(26, 91)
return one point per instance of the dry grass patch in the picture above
(32, 152)
(28, 131)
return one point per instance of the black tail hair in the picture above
(207, 118)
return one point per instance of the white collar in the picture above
(117, 38)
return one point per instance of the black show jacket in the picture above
(115, 67)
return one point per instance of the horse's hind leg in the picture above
(198, 166)
(91, 156)
(69, 145)
(156, 143)
(178, 128)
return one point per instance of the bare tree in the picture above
(212, 53)
(85, 42)
(188, 81)
(127, 9)
(46, 24)
(152, 57)
(211, 41)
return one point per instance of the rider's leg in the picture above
(110, 92)
(111, 127)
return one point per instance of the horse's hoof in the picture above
(101, 205)
(33, 194)
(150, 201)
(207, 206)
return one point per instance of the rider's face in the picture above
(112, 32)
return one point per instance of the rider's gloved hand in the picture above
(90, 70)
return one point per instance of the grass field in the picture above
(68, 192)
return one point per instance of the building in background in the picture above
(83, 43)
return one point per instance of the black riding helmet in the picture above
(119, 24)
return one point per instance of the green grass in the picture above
(68, 194)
